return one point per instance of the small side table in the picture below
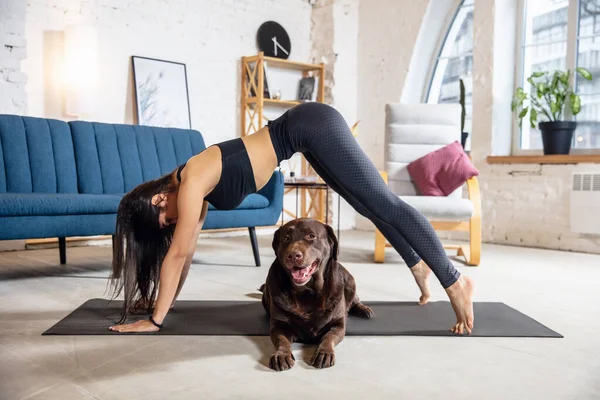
(304, 184)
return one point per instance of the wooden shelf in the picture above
(253, 84)
(542, 159)
(254, 100)
(286, 64)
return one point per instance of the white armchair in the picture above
(413, 130)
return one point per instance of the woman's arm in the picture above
(193, 244)
(190, 211)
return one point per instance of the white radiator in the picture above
(585, 203)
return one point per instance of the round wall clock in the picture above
(273, 40)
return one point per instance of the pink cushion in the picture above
(441, 172)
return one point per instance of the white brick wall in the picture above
(528, 205)
(13, 99)
(209, 36)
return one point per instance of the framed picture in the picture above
(161, 93)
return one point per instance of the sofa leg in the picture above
(62, 249)
(254, 245)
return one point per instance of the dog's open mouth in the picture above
(301, 275)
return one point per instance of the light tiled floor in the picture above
(559, 289)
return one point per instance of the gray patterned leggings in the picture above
(322, 135)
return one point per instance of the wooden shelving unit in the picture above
(253, 99)
(253, 102)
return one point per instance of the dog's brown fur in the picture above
(315, 312)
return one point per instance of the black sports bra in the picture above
(237, 176)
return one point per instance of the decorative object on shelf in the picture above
(551, 93)
(463, 114)
(161, 93)
(306, 88)
(277, 95)
(273, 40)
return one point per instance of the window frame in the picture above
(570, 62)
(440, 48)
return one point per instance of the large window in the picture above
(455, 62)
(560, 34)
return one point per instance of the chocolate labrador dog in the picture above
(308, 294)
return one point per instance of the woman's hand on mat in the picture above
(139, 326)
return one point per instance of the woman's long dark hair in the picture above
(139, 245)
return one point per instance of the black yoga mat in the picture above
(248, 318)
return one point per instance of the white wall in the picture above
(345, 88)
(210, 37)
(13, 99)
(387, 32)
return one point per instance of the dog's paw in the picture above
(362, 311)
(282, 360)
(323, 358)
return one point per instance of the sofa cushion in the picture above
(253, 201)
(441, 172)
(115, 158)
(21, 204)
(36, 155)
(441, 208)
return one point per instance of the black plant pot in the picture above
(463, 139)
(557, 136)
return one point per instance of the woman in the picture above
(159, 221)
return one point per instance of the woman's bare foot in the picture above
(461, 298)
(421, 272)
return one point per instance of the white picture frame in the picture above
(161, 93)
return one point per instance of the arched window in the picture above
(455, 62)
(561, 34)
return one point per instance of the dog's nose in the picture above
(295, 256)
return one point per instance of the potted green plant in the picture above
(551, 94)
(464, 135)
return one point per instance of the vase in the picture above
(557, 136)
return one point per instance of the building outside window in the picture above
(561, 34)
(455, 62)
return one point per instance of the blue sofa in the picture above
(60, 179)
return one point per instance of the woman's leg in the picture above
(324, 134)
(419, 269)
